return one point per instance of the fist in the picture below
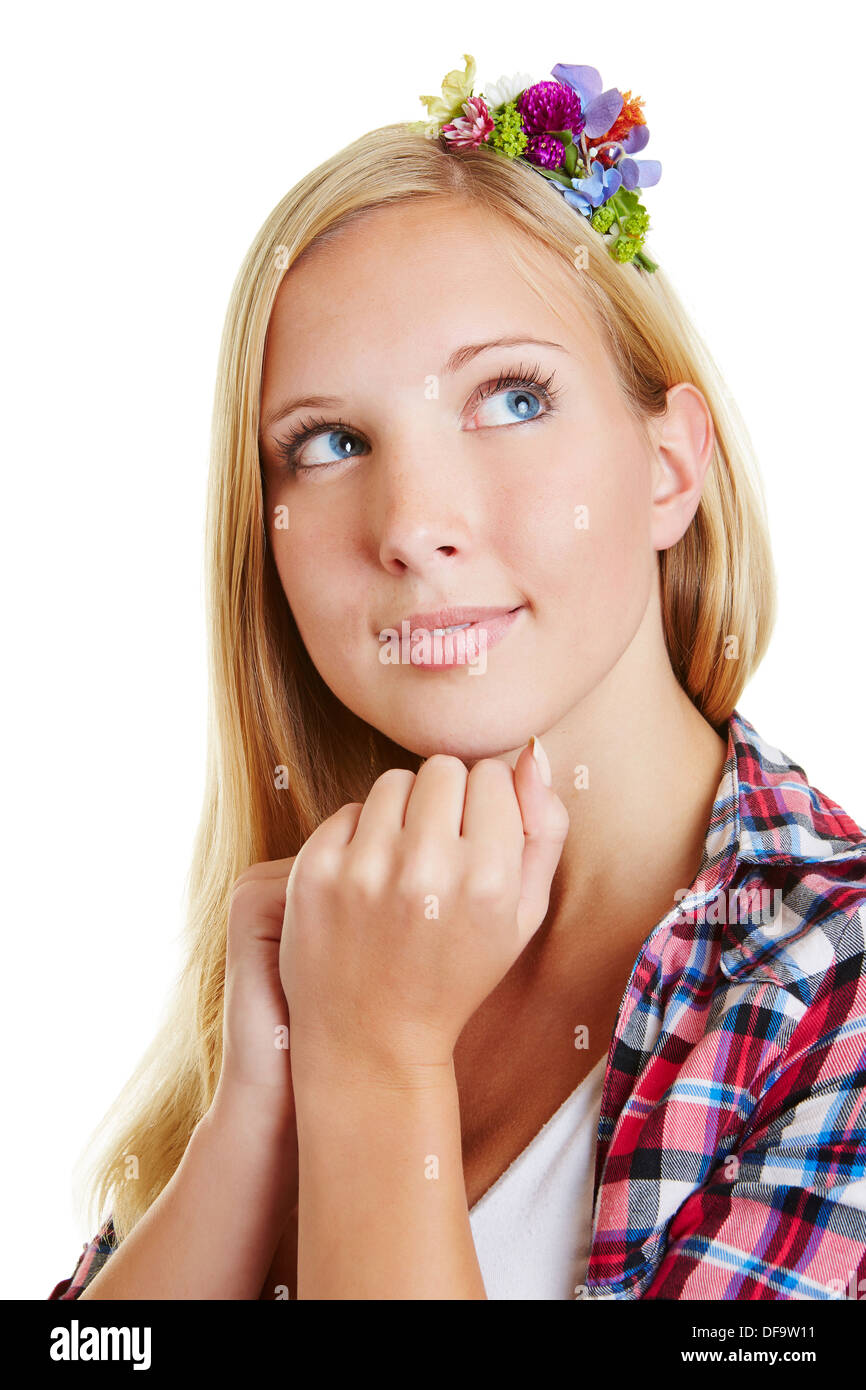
(403, 913)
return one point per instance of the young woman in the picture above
(569, 957)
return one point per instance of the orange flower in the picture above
(630, 116)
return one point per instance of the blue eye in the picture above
(339, 440)
(519, 395)
(327, 434)
(524, 403)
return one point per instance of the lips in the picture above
(455, 617)
(484, 627)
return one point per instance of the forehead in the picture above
(402, 287)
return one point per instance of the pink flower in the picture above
(471, 130)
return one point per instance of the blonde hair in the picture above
(269, 707)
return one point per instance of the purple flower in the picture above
(601, 110)
(639, 173)
(550, 106)
(636, 173)
(545, 150)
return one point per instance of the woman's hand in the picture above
(404, 913)
(256, 1073)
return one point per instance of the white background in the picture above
(144, 146)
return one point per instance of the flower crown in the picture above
(547, 125)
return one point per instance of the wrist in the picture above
(251, 1119)
(258, 1149)
(332, 1085)
(363, 1118)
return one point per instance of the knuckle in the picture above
(447, 760)
(364, 875)
(400, 776)
(486, 884)
(494, 779)
(348, 812)
(251, 901)
(420, 873)
(246, 890)
(317, 869)
(262, 876)
(493, 767)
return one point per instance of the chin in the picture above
(464, 734)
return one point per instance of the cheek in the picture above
(304, 567)
(321, 589)
(586, 535)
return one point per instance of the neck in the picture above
(653, 766)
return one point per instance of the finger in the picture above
(491, 814)
(382, 813)
(257, 909)
(330, 838)
(268, 868)
(545, 827)
(435, 808)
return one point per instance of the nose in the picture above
(423, 508)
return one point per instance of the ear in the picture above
(684, 439)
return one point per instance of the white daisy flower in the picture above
(506, 89)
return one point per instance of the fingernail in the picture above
(541, 760)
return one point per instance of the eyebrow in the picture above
(460, 358)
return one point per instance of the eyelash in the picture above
(307, 429)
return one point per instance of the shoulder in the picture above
(732, 1150)
(775, 926)
(806, 856)
(791, 909)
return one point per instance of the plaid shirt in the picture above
(731, 1158)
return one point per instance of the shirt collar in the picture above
(766, 812)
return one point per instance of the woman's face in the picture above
(430, 488)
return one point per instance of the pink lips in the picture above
(455, 648)
(447, 617)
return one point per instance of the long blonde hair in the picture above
(268, 706)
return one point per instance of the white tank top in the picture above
(533, 1227)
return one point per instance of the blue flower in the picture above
(638, 173)
(588, 194)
